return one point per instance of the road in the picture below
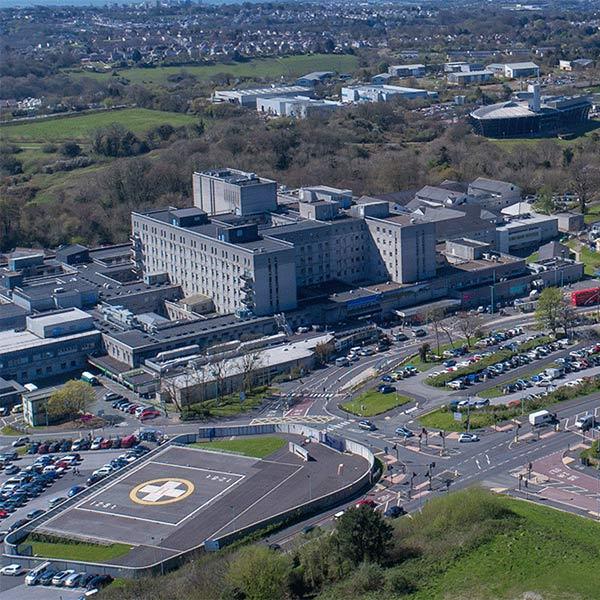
(496, 461)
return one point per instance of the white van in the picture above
(584, 422)
(33, 576)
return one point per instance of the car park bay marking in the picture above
(158, 492)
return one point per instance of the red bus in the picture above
(587, 297)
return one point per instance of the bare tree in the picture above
(218, 371)
(323, 352)
(584, 180)
(169, 387)
(249, 364)
(468, 324)
(435, 317)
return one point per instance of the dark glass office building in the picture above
(519, 119)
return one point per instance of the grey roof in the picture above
(522, 65)
(438, 194)
(493, 186)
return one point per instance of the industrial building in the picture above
(414, 70)
(299, 107)
(467, 77)
(514, 70)
(382, 93)
(248, 97)
(534, 116)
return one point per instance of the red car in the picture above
(366, 502)
(132, 408)
(3, 513)
(105, 444)
(149, 414)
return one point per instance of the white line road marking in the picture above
(113, 514)
(478, 465)
(165, 464)
(488, 459)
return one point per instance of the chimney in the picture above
(534, 102)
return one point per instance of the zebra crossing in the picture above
(309, 395)
(307, 419)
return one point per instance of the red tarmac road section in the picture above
(300, 410)
(553, 467)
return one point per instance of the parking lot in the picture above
(182, 496)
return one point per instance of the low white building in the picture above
(261, 367)
(249, 97)
(299, 106)
(526, 231)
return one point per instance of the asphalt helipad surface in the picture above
(182, 496)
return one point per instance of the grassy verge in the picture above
(373, 403)
(65, 549)
(592, 455)
(80, 127)
(9, 430)
(225, 407)
(257, 446)
(500, 356)
(417, 362)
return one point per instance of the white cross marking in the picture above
(155, 493)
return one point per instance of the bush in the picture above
(49, 148)
(368, 577)
(9, 165)
(70, 149)
(117, 141)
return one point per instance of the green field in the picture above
(80, 127)
(73, 550)
(257, 446)
(263, 68)
(373, 403)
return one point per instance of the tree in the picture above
(468, 324)
(70, 400)
(260, 574)
(435, 317)
(567, 317)
(544, 202)
(362, 534)
(249, 364)
(323, 352)
(549, 309)
(424, 351)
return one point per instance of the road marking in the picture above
(158, 492)
(477, 463)
(488, 459)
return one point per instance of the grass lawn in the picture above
(226, 406)
(80, 127)
(592, 214)
(73, 550)
(256, 446)
(443, 419)
(262, 68)
(590, 259)
(374, 403)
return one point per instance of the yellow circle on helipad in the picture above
(157, 492)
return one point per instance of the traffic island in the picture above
(373, 403)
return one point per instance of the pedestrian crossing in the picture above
(310, 395)
(307, 419)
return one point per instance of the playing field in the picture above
(289, 66)
(80, 127)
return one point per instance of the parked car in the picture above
(47, 576)
(60, 578)
(111, 396)
(13, 569)
(394, 511)
(22, 441)
(386, 389)
(34, 514)
(96, 444)
(99, 582)
(56, 501)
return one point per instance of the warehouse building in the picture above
(382, 93)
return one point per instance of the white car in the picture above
(468, 437)
(103, 471)
(13, 569)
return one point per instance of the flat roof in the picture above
(16, 341)
(60, 316)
